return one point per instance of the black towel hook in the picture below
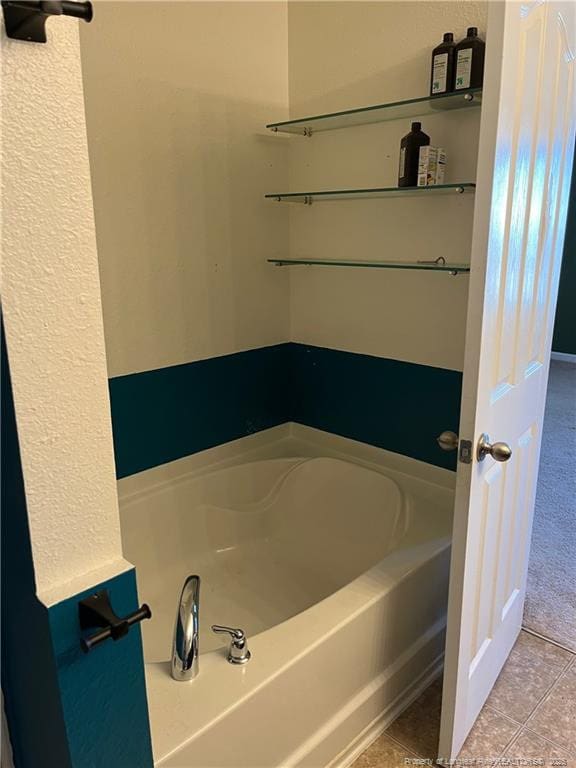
(96, 611)
(26, 19)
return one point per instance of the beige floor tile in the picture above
(491, 734)
(533, 668)
(418, 727)
(528, 746)
(541, 650)
(384, 753)
(524, 681)
(555, 717)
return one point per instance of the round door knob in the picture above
(498, 451)
(448, 441)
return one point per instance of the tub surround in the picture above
(162, 415)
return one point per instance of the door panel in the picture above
(525, 157)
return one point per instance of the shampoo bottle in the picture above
(469, 61)
(442, 75)
(409, 155)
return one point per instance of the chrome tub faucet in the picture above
(186, 632)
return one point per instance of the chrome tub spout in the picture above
(186, 631)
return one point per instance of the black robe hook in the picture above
(96, 611)
(26, 19)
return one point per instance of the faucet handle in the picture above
(238, 652)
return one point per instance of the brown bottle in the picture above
(410, 154)
(442, 72)
(469, 61)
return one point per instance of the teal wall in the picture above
(399, 406)
(169, 413)
(103, 693)
(564, 339)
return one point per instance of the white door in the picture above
(524, 164)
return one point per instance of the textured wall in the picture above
(52, 311)
(31, 694)
(370, 53)
(177, 96)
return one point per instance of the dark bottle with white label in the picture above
(442, 75)
(410, 154)
(469, 61)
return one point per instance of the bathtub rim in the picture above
(282, 442)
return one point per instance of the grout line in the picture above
(571, 664)
(504, 715)
(545, 738)
(410, 750)
(499, 757)
(495, 760)
(548, 640)
(525, 724)
(416, 751)
(540, 700)
(520, 725)
(511, 741)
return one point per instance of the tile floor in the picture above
(529, 718)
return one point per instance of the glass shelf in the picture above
(346, 194)
(378, 113)
(434, 266)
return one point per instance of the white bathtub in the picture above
(336, 568)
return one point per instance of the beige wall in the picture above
(177, 95)
(52, 314)
(347, 54)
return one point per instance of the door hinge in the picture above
(465, 452)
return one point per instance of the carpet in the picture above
(550, 607)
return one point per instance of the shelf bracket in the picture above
(304, 200)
